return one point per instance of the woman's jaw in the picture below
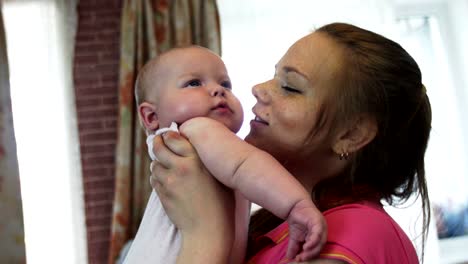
(308, 162)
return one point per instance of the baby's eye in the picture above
(226, 84)
(193, 83)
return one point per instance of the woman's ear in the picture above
(148, 117)
(356, 135)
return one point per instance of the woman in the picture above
(346, 113)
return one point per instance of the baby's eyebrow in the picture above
(224, 77)
(188, 75)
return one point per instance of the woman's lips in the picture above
(260, 120)
(258, 123)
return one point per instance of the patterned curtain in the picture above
(11, 219)
(148, 28)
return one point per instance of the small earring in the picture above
(344, 155)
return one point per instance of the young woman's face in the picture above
(288, 106)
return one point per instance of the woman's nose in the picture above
(217, 90)
(260, 91)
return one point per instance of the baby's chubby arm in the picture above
(259, 177)
(239, 165)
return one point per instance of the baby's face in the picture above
(194, 82)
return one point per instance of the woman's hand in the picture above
(196, 202)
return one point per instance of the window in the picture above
(40, 58)
(430, 37)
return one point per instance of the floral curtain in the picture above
(148, 28)
(11, 220)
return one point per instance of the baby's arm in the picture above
(260, 178)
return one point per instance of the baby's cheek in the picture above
(186, 111)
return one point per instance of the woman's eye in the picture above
(193, 83)
(289, 89)
(226, 84)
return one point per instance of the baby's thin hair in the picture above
(139, 88)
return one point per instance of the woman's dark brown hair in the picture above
(381, 80)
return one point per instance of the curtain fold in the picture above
(148, 28)
(12, 246)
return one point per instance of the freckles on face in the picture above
(295, 114)
(298, 124)
(287, 133)
(292, 102)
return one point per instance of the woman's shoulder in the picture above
(365, 211)
(366, 231)
(358, 221)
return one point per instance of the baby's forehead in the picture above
(174, 57)
(187, 53)
(182, 61)
(189, 59)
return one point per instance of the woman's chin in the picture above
(259, 141)
(255, 138)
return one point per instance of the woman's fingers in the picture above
(164, 155)
(191, 197)
(161, 178)
(169, 146)
(163, 193)
(154, 178)
(178, 144)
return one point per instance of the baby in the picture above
(190, 86)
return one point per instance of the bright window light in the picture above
(41, 120)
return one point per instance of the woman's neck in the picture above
(309, 175)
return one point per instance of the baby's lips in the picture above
(222, 106)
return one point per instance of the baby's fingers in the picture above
(310, 249)
(308, 255)
(313, 242)
(293, 248)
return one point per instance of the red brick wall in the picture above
(96, 70)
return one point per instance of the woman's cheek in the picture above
(290, 117)
(298, 122)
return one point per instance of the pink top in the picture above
(357, 233)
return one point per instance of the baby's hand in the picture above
(307, 231)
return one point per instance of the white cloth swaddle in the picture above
(149, 139)
(157, 239)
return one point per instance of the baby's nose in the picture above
(217, 90)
